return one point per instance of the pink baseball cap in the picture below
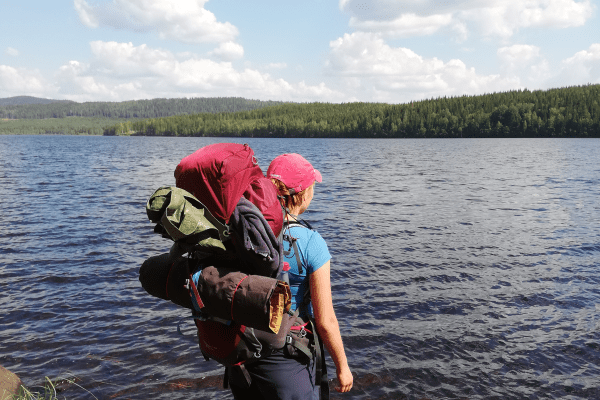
(294, 171)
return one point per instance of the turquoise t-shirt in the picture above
(313, 255)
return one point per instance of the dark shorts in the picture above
(276, 377)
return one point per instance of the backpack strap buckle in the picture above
(302, 332)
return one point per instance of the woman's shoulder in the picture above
(298, 228)
(310, 237)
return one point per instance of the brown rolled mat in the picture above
(251, 300)
(256, 301)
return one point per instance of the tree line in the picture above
(128, 109)
(564, 112)
(59, 126)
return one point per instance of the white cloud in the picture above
(399, 73)
(12, 52)
(518, 55)
(183, 20)
(581, 68)
(525, 62)
(461, 32)
(77, 84)
(86, 13)
(228, 51)
(504, 18)
(122, 71)
(496, 18)
(18, 81)
(554, 13)
(343, 4)
(405, 25)
(592, 55)
(125, 59)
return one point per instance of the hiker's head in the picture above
(294, 178)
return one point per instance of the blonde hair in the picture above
(288, 200)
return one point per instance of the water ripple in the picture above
(461, 268)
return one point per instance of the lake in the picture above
(461, 269)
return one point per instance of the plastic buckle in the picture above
(227, 232)
(200, 317)
(288, 339)
(302, 332)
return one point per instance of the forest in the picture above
(564, 112)
(58, 126)
(26, 115)
(127, 109)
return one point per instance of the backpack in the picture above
(220, 174)
(226, 216)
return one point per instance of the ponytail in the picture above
(287, 199)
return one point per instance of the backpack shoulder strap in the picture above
(293, 246)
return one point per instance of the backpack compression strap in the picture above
(243, 370)
(321, 375)
(191, 286)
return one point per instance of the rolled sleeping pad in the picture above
(164, 277)
(252, 300)
(154, 273)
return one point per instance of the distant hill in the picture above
(24, 107)
(26, 100)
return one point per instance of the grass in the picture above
(49, 390)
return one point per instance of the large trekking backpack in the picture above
(220, 174)
(226, 216)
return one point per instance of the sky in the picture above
(335, 51)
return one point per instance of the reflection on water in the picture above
(461, 268)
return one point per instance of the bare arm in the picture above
(327, 324)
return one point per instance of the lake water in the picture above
(461, 269)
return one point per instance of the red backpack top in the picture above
(220, 174)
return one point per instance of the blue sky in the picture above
(392, 51)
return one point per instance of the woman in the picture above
(281, 376)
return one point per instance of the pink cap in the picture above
(294, 171)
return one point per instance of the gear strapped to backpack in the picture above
(225, 214)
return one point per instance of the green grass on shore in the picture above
(49, 390)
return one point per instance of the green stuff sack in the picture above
(184, 219)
